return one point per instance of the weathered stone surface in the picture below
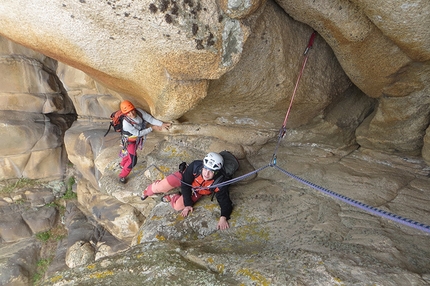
(26, 213)
(280, 226)
(122, 220)
(83, 228)
(173, 46)
(257, 92)
(90, 98)
(382, 47)
(240, 9)
(32, 137)
(13, 228)
(84, 141)
(226, 73)
(58, 262)
(42, 219)
(397, 126)
(426, 147)
(268, 50)
(18, 262)
(357, 29)
(79, 254)
(39, 197)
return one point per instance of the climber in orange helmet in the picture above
(134, 131)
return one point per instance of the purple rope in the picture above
(225, 183)
(234, 180)
(373, 210)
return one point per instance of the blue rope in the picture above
(363, 206)
(373, 210)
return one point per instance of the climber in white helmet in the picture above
(195, 178)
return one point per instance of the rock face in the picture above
(224, 73)
(177, 59)
(282, 232)
(35, 114)
(383, 47)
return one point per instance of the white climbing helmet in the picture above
(213, 161)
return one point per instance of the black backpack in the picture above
(116, 120)
(230, 166)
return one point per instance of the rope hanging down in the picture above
(282, 131)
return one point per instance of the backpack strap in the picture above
(218, 180)
(110, 125)
(132, 122)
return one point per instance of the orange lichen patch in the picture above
(99, 275)
(56, 278)
(211, 206)
(220, 268)
(139, 237)
(164, 169)
(174, 152)
(160, 237)
(254, 276)
(250, 233)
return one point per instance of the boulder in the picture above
(18, 262)
(42, 219)
(80, 253)
(121, 220)
(13, 228)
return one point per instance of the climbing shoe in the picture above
(166, 199)
(143, 196)
(122, 180)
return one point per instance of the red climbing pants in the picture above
(129, 161)
(170, 182)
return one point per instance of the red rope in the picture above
(283, 129)
(294, 92)
(308, 47)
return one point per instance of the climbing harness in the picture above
(282, 131)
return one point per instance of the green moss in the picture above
(42, 266)
(54, 234)
(19, 184)
(43, 236)
(69, 183)
(69, 194)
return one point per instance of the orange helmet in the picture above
(126, 106)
